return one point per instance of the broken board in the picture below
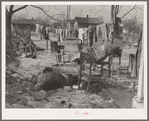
(121, 98)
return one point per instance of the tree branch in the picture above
(19, 8)
(128, 11)
(11, 9)
(58, 14)
(45, 12)
(100, 10)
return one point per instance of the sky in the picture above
(81, 11)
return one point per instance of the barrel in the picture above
(53, 46)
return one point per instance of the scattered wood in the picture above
(17, 73)
(122, 99)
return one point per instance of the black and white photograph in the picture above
(74, 60)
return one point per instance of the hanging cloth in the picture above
(97, 31)
(104, 32)
(85, 33)
(61, 37)
(80, 34)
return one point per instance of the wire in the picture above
(100, 10)
(128, 12)
(27, 13)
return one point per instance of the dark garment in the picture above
(47, 36)
(43, 31)
(76, 33)
(91, 38)
(96, 36)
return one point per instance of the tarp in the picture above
(98, 52)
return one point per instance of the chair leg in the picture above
(109, 70)
(101, 69)
(88, 87)
(80, 70)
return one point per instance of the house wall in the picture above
(82, 25)
(24, 29)
(70, 26)
(33, 28)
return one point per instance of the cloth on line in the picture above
(104, 32)
(80, 34)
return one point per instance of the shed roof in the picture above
(85, 20)
(26, 21)
(70, 20)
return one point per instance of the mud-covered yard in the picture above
(19, 94)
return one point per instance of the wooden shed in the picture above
(25, 26)
(85, 22)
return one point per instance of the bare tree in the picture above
(9, 14)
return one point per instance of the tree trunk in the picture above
(8, 27)
(8, 31)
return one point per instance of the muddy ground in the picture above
(19, 95)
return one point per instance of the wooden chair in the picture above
(61, 56)
(103, 63)
(88, 73)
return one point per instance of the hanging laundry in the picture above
(37, 28)
(90, 35)
(61, 37)
(56, 31)
(97, 32)
(80, 37)
(85, 33)
(66, 32)
(104, 32)
(47, 29)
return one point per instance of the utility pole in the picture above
(112, 38)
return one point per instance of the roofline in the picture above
(83, 22)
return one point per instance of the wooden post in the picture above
(140, 93)
(112, 37)
(47, 44)
(29, 31)
(80, 70)
(89, 74)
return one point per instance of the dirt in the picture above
(19, 95)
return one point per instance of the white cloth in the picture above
(60, 32)
(80, 34)
(85, 33)
(47, 28)
(37, 28)
(66, 32)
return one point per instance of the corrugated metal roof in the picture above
(26, 21)
(87, 20)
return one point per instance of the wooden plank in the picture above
(85, 79)
(120, 98)
(93, 73)
(92, 79)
